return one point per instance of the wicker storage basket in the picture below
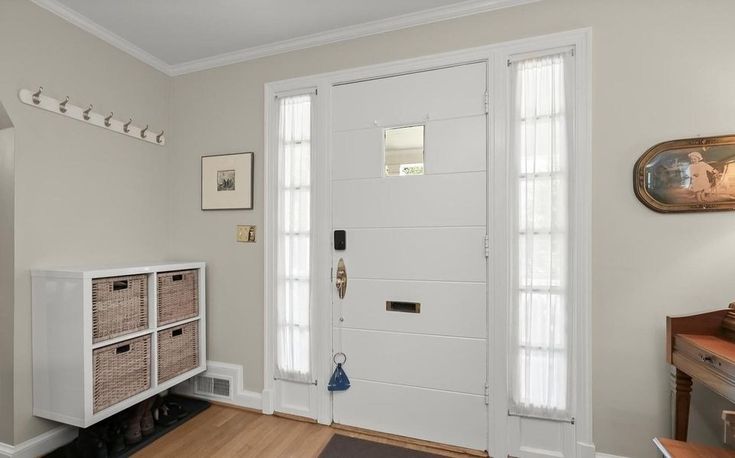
(178, 350)
(119, 306)
(178, 296)
(121, 371)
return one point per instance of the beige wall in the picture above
(661, 70)
(83, 195)
(6, 277)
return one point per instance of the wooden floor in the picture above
(228, 432)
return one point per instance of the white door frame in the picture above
(319, 406)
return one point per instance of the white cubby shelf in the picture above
(63, 364)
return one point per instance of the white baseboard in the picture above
(238, 396)
(607, 455)
(41, 444)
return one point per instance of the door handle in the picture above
(341, 281)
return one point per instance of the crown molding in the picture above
(465, 8)
(429, 16)
(86, 24)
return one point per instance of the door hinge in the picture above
(487, 394)
(487, 246)
(487, 102)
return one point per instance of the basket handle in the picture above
(122, 349)
(177, 332)
(119, 284)
(177, 277)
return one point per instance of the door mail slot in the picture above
(405, 307)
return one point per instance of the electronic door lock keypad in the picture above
(340, 240)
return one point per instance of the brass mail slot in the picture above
(405, 307)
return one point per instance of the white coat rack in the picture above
(64, 107)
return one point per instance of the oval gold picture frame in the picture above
(688, 175)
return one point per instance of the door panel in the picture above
(456, 145)
(416, 238)
(452, 309)
(356, 156)
(439, 94)
(425, 361)
(439, 416)
(451, 146)
(430, 200)
(438, 254)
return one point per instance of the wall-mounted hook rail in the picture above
(63, 107)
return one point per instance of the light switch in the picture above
(246, 234)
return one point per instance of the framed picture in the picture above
(227, 182)
(690, 175)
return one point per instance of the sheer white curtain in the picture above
(540, 132)
(293, 341)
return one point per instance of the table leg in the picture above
(683, 396)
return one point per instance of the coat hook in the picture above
(107, 120)
(86, 113)
(37, 95)
(159, 137)
(143, 131)
(62, 105)
(126, 126)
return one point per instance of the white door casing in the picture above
(506, 436)
(413, 239)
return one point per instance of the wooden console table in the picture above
(701, 346)
(676, 449)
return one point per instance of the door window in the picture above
(404, 151)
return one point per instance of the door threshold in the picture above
(290, 416)
(408, 442)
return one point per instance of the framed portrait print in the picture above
(689, 175)
(227, 182)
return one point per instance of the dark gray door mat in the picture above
(340, 446)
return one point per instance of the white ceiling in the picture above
(178, 36)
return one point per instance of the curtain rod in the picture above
(542, 53)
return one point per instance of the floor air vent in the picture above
(211, 386)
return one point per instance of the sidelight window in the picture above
(293, 340)
(541, 129)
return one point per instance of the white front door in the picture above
(409, 187)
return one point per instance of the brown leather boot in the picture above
(147, 425)
(132, 430)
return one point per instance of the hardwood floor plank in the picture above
(223, 432)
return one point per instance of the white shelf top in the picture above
(115, 270)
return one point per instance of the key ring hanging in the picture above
(336, 355)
